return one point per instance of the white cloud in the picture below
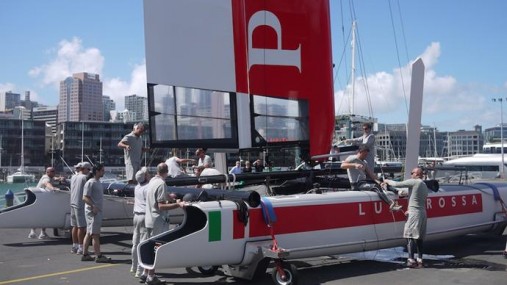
(72, 57)
(447, 104)
(117, 89)
(4, 87)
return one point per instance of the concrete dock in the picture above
(471, 259)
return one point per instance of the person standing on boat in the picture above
(358, 173)
(367, 139)
(77, 212)
(132, 145)
(93, 196)
(204, 160)
(47, 182)
(174, 166)
(156, 218)
(139, 228)
(415, 227)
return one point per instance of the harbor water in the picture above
(14, 187)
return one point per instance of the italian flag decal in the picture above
(215, 226)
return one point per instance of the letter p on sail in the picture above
(276, 56)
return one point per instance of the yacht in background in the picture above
(20, 176)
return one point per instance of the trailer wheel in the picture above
(207, 270)
(290, 272)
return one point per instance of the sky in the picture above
(462, 44)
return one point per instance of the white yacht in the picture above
(20, 177)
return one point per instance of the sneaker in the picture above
(32, 235)
(132, 270)
(138, 275)
(87, 257)
(154, 281)
(411, 263)
(73, 250)
(43, 236)
(79, 251)
(142, 278)
(102, 259)
(420, 263)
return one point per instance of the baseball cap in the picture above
(86, 165)
(141, 175)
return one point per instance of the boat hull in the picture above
(51, 209)
(312, 225)
(20, 178)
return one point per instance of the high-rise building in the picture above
(9, 100)
(81, 98)
(109, 105)
(138, 105)
(47, 114)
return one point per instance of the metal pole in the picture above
(502, 171)
(501, 136)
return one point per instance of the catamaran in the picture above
(281, 50)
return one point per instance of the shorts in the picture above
(159, 226)
(131, 170)
(77, 217)
(93, 222)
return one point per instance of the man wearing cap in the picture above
(139, 231)
(77, 213)
(357, 170)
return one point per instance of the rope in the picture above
(269, 218)
(496, 195)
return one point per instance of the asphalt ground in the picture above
(471, 259)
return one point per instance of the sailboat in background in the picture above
(20, 176)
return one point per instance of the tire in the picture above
(290, 274)
(208, 270)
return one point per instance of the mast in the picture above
(100, 151)
(353, 74)
(22, 167)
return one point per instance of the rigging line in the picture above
(342, 60)
(403, 30)
(398, 57)
(363, 74)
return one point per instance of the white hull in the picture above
(316, 224)
(19, 177)
(51, 209)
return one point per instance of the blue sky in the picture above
(462, 43)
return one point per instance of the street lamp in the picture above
(502, 171)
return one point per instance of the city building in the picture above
(48, 114)
(138, 106)
(109, 105)
(10, 143)
(9, 100)
(96, 142)
(464, 143)
(81, 98)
